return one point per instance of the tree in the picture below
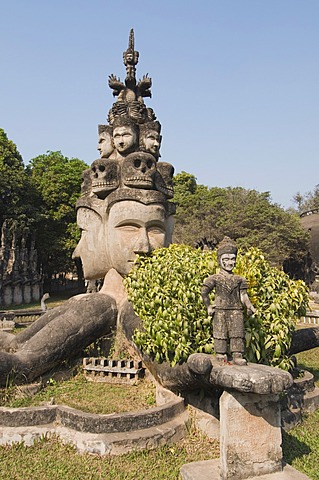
(56, 181)
(308, 201)
(247, 216)
(12, 180)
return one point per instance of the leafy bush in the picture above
(165, 289)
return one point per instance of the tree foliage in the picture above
(41, 198)
(56, 181)
(12, 180)
(165, 289)
(247, 216)
(308, 201)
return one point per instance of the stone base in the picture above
(209, 470)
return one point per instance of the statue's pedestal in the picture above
(210, 470)
(250, 427)
(250, 435)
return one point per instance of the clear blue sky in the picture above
(235, 83)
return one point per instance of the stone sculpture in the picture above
(230, 299)
(124, 210)
(19, 280)
(105, 145)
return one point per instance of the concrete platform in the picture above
(209, 470)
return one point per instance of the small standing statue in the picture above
(230, 299)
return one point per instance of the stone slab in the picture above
(209, 470)
(252, 378)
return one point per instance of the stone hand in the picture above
(211, 310)
(251, 310)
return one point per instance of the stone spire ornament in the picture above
(129, 145)
(131, 93)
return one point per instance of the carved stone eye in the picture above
(101, 168)
(137, 163)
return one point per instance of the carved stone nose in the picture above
(142, 244)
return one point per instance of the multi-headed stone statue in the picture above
(124, 210)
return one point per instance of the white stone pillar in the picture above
(250, 435)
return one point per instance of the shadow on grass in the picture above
(293, 448)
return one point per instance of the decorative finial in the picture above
(130, 93)
(130, 58)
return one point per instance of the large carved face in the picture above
(105, 146)
(152, 142)
(134, 228)
(124, 139)
(92, 247)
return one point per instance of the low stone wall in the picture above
(101, 434)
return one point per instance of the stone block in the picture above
(209, 470)
(250, 435)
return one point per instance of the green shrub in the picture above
(165, 289)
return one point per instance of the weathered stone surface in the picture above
(227, 310)
(304, 339)
(59, 334)
(209, 470)
(30, 416)
(250, 435)
(101, 434)
(252, 378)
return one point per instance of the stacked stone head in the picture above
(124, 208)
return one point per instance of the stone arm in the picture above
(206, 300)
(245, 300)
(57, 336)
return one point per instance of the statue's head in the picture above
(124, 209)
(114, 231)
(105, 145)
(227, 254)
(150, 138)
(125, 135)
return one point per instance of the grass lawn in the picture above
(85, 395)
(50, 460)
(310, 361)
